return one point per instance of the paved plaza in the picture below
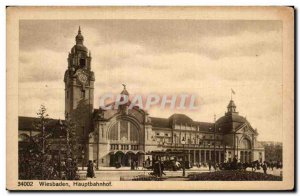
(113, 174)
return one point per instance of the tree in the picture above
(71, 171)
(36, 161)
(39, 161)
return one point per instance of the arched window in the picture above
(246, 144)
(113, 132)
(134, 136)
(124, 131)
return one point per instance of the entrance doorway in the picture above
(124, 159)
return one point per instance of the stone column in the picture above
(250, 156)
(189, 155)
(119, 130)
(194, 157)
(210, 155)
(219, 156)
(128, 134)
(205, 156)
(199, 156)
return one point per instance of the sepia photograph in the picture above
(196, 95)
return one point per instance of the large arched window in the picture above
(113, 132)
(134, 133)
(124, 130)
(245, 144)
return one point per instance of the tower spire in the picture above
(79, 38)
(231, 108)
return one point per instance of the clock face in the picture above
(82, 78)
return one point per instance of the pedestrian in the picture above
(148, 162)
(155, 168)
(209, 165)
(265, 167)
(136, 165)
(272, 165)
(94, 168)
(159, 169)
(183, 169)
(89, 173)
(162, 166)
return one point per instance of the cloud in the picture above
(42, 65)
(205, 58)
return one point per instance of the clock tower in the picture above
(79, 88)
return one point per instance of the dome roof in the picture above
(79, 36)
(79, 48)
(231, 118)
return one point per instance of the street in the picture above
(113, 174)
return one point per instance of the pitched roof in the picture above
(180, 119)
(160, 122)
(27, 123)
(205, 126)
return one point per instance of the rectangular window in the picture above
(83, 94)
(124, 130)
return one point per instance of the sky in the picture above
(206, 58)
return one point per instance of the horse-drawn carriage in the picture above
(254, 165)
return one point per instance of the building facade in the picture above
(124, 135)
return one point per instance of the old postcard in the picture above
(150, 98)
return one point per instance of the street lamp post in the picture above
(224, 154)
(59, 157)
(82, 156)
(59, 144)
(175, 139)
(215, 139)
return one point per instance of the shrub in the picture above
(233, 176)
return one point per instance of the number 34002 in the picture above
(25, 183)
